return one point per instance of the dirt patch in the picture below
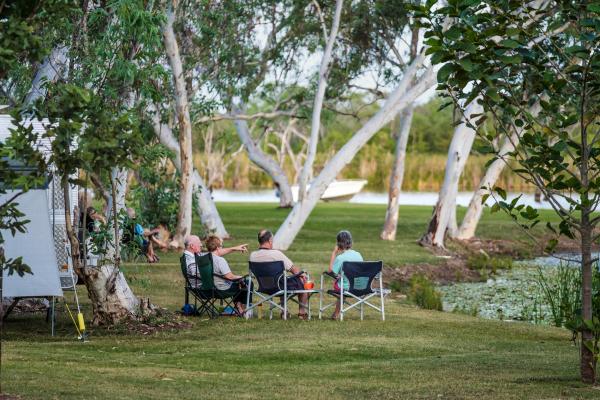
(147, 328)
(492, 248)
(451, 270)
(161, 320)
(10, 397)
(454, 267)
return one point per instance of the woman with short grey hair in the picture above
(342, 252)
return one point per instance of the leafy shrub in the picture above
(423, 293)
(483, 262)
(156, 197)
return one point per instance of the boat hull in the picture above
(338, 190)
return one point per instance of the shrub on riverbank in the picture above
(423, 293)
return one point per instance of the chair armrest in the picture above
(330, 274)
(296, 275)
(231, 280)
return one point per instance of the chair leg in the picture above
(361, 311)
(342, 299)
(382, 298)
(321, 299)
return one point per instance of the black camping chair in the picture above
(271, 278)
(202, 287)
(360, 276)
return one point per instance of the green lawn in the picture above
(414, 354)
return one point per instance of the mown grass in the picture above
(413, 354)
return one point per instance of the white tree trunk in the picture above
(206, 208)
(184, 214)
(265, 162)
(403, 96)
(110, 303)
(318, 103)
(473, 215)
(459, 150)
(120, 177)
(452, 229)
(391, 216)
(492, 174)
(50, 70)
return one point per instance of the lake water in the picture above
(406, 198)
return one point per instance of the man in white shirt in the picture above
(266, 253)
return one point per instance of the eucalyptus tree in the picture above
(400, 134)
(184, 124)
(368, 40)
(93, 121)
(511, 56)
(238, 70)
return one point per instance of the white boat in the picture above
(338, 190)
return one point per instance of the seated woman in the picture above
(226, 280)
(342, 252)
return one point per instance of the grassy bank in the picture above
(414, 354)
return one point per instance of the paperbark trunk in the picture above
(459, 150)
(184, 214)
(588, 362)
(403, 96)
(49, 71)
(391, 215)
(318, 104)
(265, 162)
(206, 207)
(492, 174)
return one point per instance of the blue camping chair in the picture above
(271, 283)
(360, 276)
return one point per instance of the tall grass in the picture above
(423, 172)
(561, 291)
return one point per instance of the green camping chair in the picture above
(202, 287)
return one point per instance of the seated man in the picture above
(225, 279)
(193, 246)
(266, 253)
(342, 252)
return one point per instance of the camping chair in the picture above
(207, 294)
(360, 276)
(272, 283)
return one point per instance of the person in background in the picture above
(93, 219)
(147, 239)
(342, 252)
(266, 253)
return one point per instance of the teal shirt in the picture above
(348, 255)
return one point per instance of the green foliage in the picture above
(555, 63)
(483, 262)
(535, 68)
(23, 25)
(423, 293)
(562, 292)
(156, 197)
